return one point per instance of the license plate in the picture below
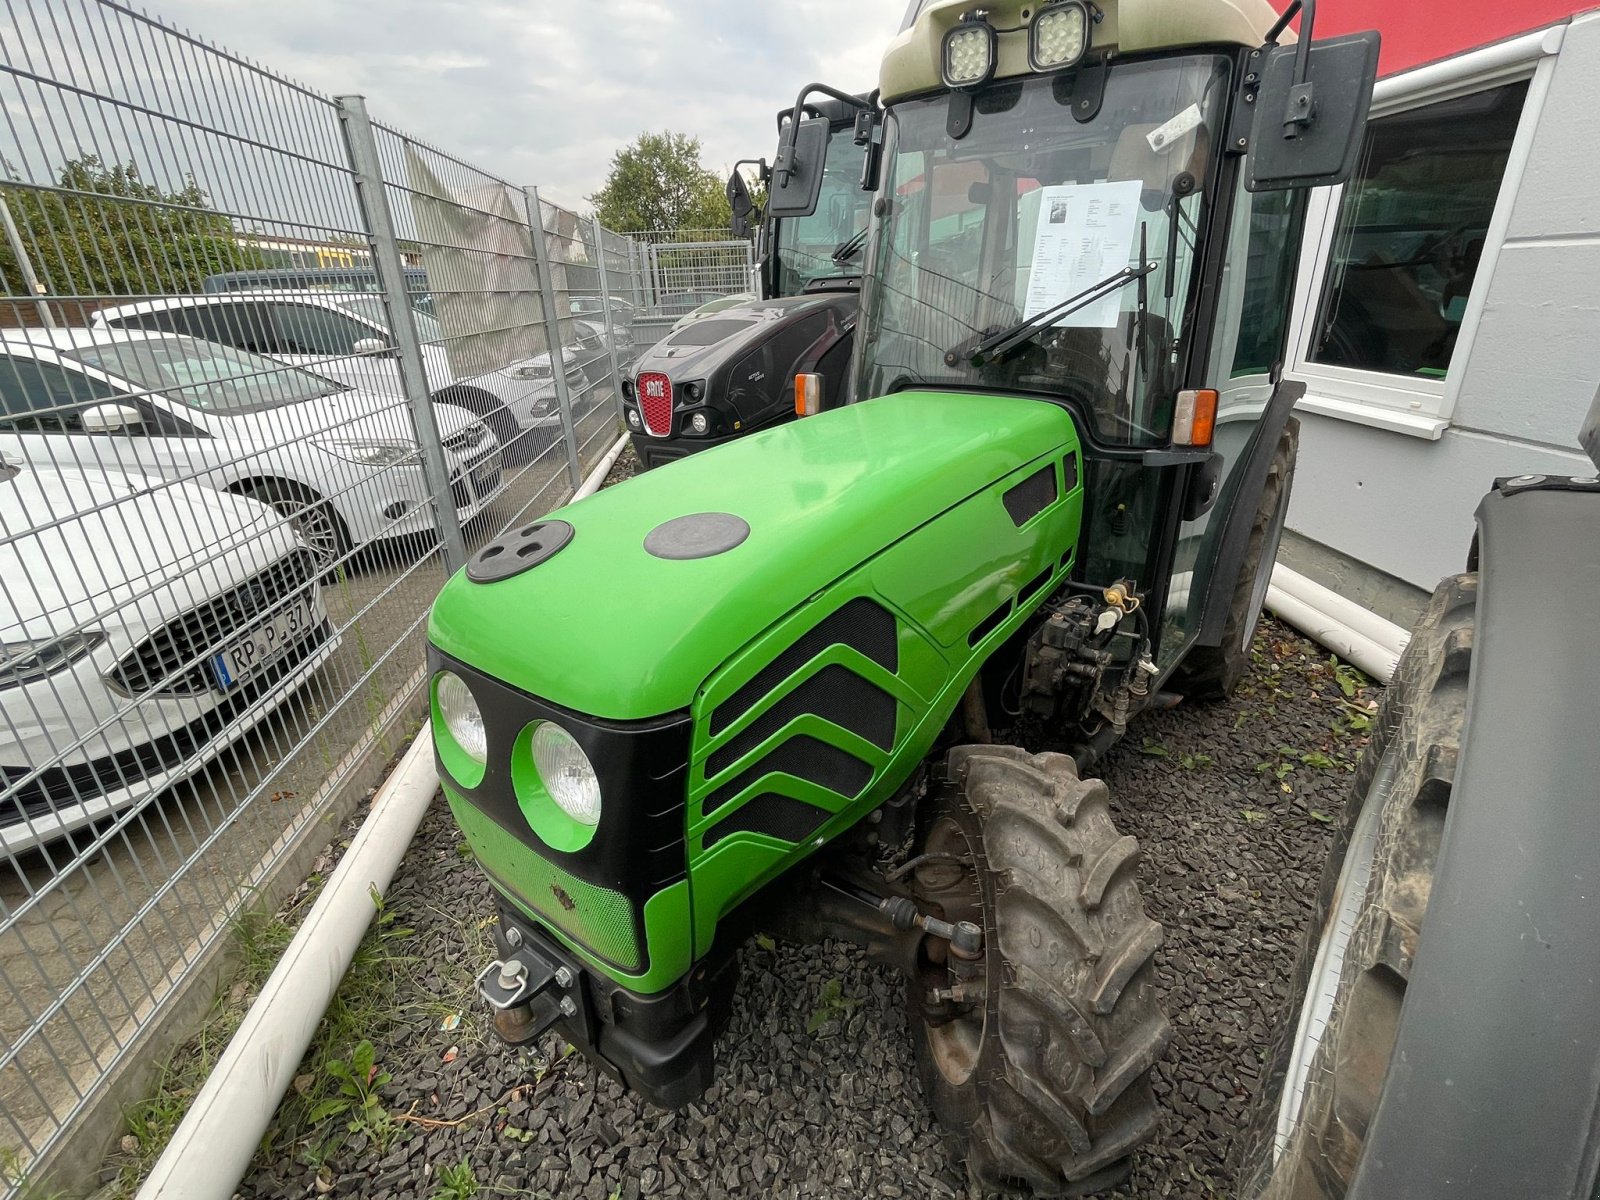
(264, 643)
(485, 479)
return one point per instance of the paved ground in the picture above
(1232, 804)
(56, 924)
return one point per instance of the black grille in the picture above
(173, 661)
(469, 438)
(865, 627)
(805, 758)
(782, 817)
(59, 787)
(1032, 496)
(834, 694)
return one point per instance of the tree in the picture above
(107, 232)
(659, 182)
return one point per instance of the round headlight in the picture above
(699, 422)
(462, 717)
(633, 419)
(566, 773)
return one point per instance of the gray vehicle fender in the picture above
(1492, 1089)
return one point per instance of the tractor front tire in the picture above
(1041, 1080)
(1213, 672)
(1327, 1070)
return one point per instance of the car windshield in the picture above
(372, 308)
(805, 245)
(1030, 208)
(205, 375)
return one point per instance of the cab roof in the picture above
(911, 64)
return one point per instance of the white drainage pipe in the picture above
(1354, 633)
(211, 1150)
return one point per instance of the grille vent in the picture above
(782, 817)
(805, 758)
(864, 626)
(1032, 496)
(834, 694)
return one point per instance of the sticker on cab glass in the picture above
(1161, 138)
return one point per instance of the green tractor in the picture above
(844, 678)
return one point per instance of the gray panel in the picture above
(1557, 195)
(1492, 1087)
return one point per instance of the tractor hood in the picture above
(608, 628)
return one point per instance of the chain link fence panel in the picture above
(269, 372)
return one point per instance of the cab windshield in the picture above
(1031, 208)
(805, 245)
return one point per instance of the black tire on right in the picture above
(1213, 672)
(1407, 772)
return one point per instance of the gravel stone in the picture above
(1232, 859)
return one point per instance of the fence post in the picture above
(30, 277)
(552, 325)
(598, 232)
(378, 222)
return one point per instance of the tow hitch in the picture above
(529, 991)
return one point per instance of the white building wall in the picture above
(1521, 381)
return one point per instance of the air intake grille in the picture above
(655, 403)
(782, 817)
(864, 626)
(1032, 496)
(835, 695)
(804, 758)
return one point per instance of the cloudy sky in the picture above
(544, 93)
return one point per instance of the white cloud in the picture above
(544, 93)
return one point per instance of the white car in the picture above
(346, 336)
(341, 464)
(144, 627)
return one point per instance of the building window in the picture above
(1411, 229)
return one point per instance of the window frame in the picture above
(1402, 404)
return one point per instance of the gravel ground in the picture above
(1233, 805)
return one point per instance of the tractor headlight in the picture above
(970, 52)
(463, 721)
(634, 422)
(700, 423)
(1058, 36)
(566, 773)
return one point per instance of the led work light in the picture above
(1058, 36)
(970, 53)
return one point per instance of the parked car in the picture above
(340, 463)
(171, 618)
(346, 336)
(593, 351)
(594, 307)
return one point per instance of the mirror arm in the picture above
(783, 165)
(1301, 108)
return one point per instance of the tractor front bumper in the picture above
(660, 1046)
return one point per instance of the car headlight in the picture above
(531, 370)
(24, 661)
(373, 453)
(566, 773)
(463, 721)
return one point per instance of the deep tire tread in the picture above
(1061, 1095)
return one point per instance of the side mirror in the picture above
(797, 175)
(111, 418)
(740, 202)
(1311, 113)
(371, 346)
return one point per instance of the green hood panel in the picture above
(821, 497)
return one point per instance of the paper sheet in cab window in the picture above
(1085, 233)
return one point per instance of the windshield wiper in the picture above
(850, 249)
(997, 345)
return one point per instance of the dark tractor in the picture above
(845, 677)
(732, 372)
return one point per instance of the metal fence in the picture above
(679, 270)
(269, 370)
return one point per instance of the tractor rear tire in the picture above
(1042, 1084)
(1321, 1091)
(1213, 672)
